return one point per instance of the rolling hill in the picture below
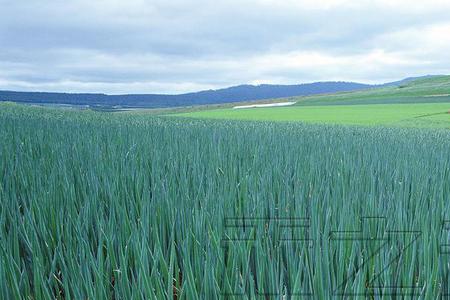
(434, 89)
(423, 102)
(227, 95)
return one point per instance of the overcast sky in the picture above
(175, 46)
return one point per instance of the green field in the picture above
(415, 115)
(132, 206)
(427, 90)
(419, 103)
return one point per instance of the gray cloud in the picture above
(175, 46)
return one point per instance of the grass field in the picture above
(418, 103)
(414, 115)
(132, 206)
(427, 90)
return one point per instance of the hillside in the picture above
(422, 102)
(435, 89)
(227, 95)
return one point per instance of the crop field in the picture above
(410, 115)
(131, 206)
(435, 89)
(418, 103)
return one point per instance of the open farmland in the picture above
(132, 206)
(418, 103)
(411, 115)
(435, 89)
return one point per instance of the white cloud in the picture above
(139, 46)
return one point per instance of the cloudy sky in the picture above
(175, 46)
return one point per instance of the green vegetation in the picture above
(131, 206)
(411, 115)
(419, 103)
(427, 90)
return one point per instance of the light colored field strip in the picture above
(264, 105)
(437, 95)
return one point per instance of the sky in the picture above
(176, 46)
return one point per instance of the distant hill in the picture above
(425, 89)
(409, 79)
(226, 95)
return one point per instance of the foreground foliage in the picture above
(114, 206)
